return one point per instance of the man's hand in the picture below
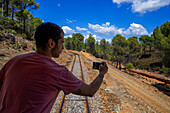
(90, 90)
(103, 69)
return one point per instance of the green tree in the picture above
(108, 51)
(90, 45)
(166, 51)
(13, 5)
(158, 36)
(25, 6)
(165, 28)
(2, 7)
(103, 48)
(7, 4)
(97, 49)
(165, 43)
(77, 41)
(20, 10)
(119, 47)
(32, 24)
(28, 4)
(134, 49)
(24, 15)
(146, 41)
(67, 43)
(162, 42)
(74, 43)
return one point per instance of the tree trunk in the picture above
(24, 25)
(117, 64)
(12, 16)
(2, 8)
(144, 50)
(128, 58)
(7, 3)
(120, 65)
(21, 26)
(13, 10)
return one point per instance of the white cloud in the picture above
(121, 1)
(127, 32)
(67, 30)
(66, 36)
(143, 6)
(58, 5)
(136, 29)
(109, 40)
(85, 37)
(70, 21)
(97, 38)
(107, 29)
(88, 32)
(81, 29)
(107, 24)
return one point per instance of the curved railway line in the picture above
(81, 103)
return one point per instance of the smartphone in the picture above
(97, 64)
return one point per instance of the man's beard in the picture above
(53, 52)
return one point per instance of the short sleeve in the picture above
(67, 82)
(3, 70)
(1, 76)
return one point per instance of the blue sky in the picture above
(105, 18)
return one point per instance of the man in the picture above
(30, 83)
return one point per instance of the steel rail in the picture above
(87, 103)
(62, 103)
(82, 75)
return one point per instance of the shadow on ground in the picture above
(2, 55)
(163, 88)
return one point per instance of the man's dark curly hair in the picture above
(46, 31)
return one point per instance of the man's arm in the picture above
(90, 90)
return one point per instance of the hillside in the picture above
(11, 45)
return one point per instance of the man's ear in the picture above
(51, 43)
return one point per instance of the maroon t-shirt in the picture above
(31, 82)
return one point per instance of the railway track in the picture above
(166, 81)
(75, 103)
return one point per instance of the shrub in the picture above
(24, 35)
(11, 31)
(13, 46)
(167, 72)
(163, 69)
(129, 66)
(136, 63)
(19, 48)
(33, 48)
(142, 66)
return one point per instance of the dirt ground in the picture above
(133, 93)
